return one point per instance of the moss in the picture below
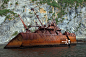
(11, 4)
(49, 19)
(23, 6)
(53, 14)
(56, 19)
(16, 3)
(34, 0)
(74, 16)
(85, 29)
(5, 1)
(50, 11)
(2, 6)
(68, 23)
(77, 27)
(30, 13)
(61, 13)
(62, 20)
(8, 16)
(45, 15)
(15, 33)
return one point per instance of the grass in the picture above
(5, 11)
(15, 33)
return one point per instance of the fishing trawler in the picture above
(44, 36)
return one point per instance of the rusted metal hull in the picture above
(35, 39)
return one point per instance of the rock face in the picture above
(2, 18)
(74, 21)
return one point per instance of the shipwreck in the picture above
(43, 36)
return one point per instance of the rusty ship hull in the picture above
(35, 39)
(44, 35)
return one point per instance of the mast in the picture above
(23, 22)
(37, 16)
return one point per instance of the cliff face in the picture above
(73, 21)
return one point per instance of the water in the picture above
(79, 50)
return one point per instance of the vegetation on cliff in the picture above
(62, 4)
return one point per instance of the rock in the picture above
(2, 18)
(6, 21)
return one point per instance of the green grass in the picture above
(5, 11)
(15, 33)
